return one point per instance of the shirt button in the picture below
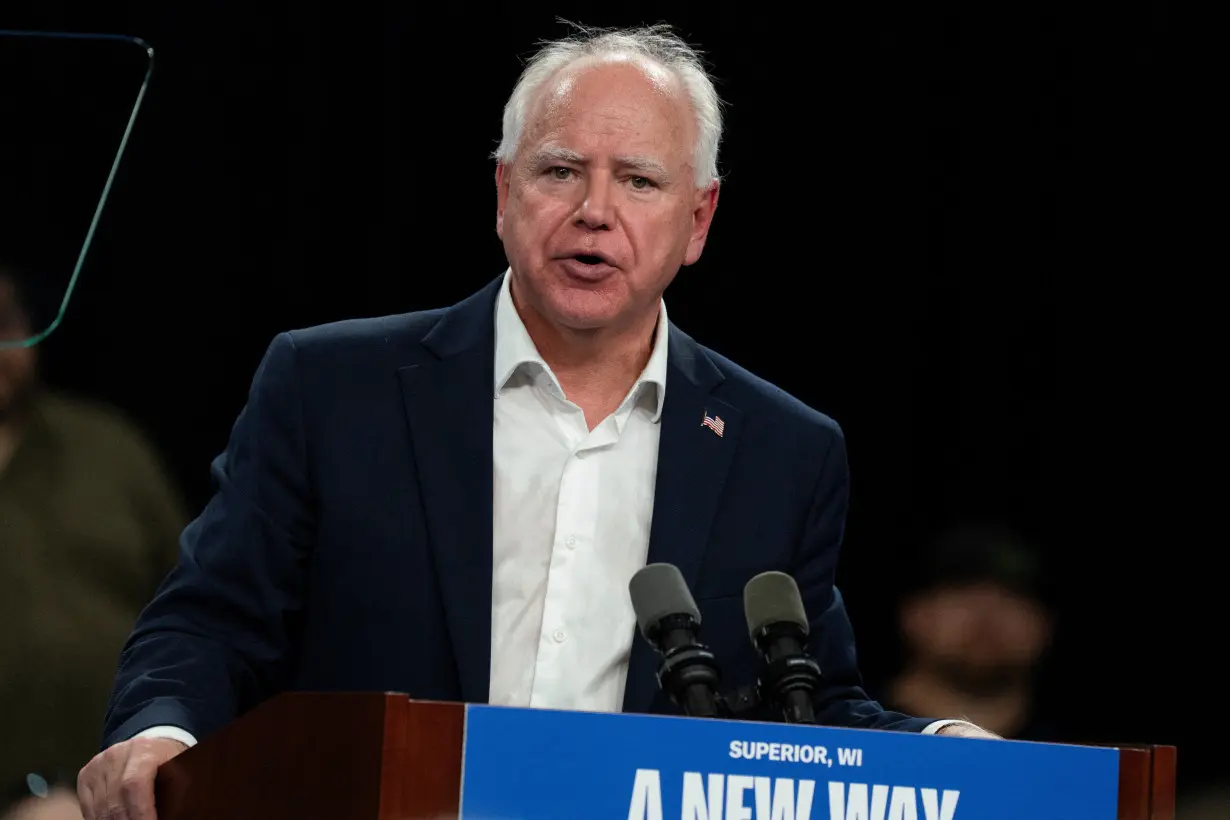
(571, 542)
(559, 636)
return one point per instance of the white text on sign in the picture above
(744, 797)
(793, 753)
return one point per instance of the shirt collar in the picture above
(514, 349)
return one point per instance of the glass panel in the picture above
(67, 105)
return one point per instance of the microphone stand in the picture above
(752, 697)
(739, 701)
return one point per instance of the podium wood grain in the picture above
(348, 756)
(1147, 782)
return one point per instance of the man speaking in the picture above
(350, 544)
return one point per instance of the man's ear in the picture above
(501, 196)
(703, 209)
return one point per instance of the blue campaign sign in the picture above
(552, 765)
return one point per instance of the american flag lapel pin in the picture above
(714, 423)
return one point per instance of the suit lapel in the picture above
(693, 461)
(449, 410)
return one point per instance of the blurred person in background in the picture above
(976, 628)
(37, 799)
(89, 526)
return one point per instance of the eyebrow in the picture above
(554, 153)
(647, 164)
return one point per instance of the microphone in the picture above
(777, 623)
(669, 620)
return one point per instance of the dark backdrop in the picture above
(930, 228)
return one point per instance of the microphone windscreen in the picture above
(659, 590)
(771, 598)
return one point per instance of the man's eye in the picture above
(641, 183)
(560, 172)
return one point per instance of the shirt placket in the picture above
(561, 653)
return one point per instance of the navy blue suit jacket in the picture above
(348, 544)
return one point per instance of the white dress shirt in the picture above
(572, 509)
(572, 514)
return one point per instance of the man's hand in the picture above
(967, 730)
(118, 784)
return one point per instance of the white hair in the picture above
(657, 44)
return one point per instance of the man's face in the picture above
(981, 634)
(600, 208)
(17, 364)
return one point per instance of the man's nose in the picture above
(597, 209)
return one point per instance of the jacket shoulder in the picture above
(761, 397)
(395, 332)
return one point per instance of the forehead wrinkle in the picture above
(551, 113)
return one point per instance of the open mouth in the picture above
(589, 267)
(590, 259)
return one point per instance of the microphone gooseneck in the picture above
(670, 621)
(777, 624)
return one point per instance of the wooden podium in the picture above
(377, 756)
(361, 756)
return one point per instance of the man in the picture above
(976, 627)
(88, 522)
(351, 545)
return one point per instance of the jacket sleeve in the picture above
(217, 637)
(842, 700)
